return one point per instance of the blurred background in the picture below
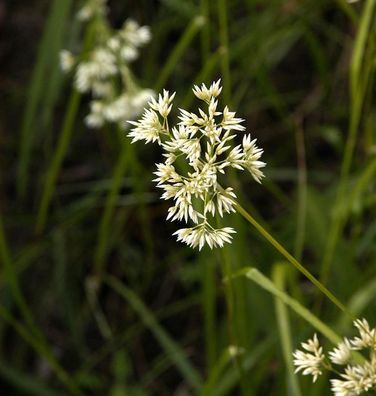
(96, 295)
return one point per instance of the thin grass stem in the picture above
(289, 257)
(225, 58)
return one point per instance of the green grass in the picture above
(97, 297)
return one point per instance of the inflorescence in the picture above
(105, 72)
(197, 151)
(356, 378)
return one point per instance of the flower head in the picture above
(309, 362)
(356, 378)
(342, 353)
(204, 142)
(107, 65)
(92, 9)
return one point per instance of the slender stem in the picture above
(205, 33)
(32, 334)
(103, 232)
(302, 193)
(225, 59)
(290, 258)
(57, 160)
(358, 83)
(208, 304)
(63, 142)
(232, 323)
(187, 37)
(284, 328)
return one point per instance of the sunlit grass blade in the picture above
(173, 349)
(256, 276)
(283, 321)
(289, 257)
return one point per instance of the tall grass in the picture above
(168, 320)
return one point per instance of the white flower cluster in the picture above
(92, 9)
(356, 378)
(309, 362)
(201, 146)
(107, 66)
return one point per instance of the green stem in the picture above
(45, 61)
(103, 233)
(225, 59)
(63, 142)
(53, 170)
(208, 304)
(43, 351)
(205, 33)
(302, 194)
(31, 334)
(284, 328)
(188, 35)
(232, 323)
(357, 93)
(289, 257)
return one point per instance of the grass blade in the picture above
(45, 60)
(256, 276)
(174, 351)
(188, 35)
(283, 321)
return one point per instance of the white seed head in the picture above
(367, 336)
(67, 61)
(309, 362)
(204, 141)
(342, 353)
(91, 9)
(206, 94)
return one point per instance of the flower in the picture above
(107, 64)
(91, 9)
(342, 353)
(309, 362)
(367, 337)
(356, 378)
(203, 141)
(67, 61)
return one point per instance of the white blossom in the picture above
(356, 377)
(342, 353)
(91, 9)
(367, 336)
(205, 93)
(148, 128)
(309, 362)
(203, 234)
(204, 141)
(67, 61)
(106, 66)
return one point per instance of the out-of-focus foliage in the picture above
(96, 296)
